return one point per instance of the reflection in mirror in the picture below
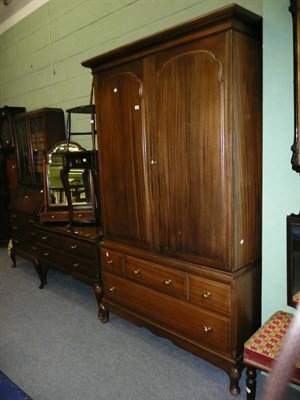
(79, 180)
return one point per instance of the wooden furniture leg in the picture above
(251, 383)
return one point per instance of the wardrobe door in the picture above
(192, 183)
(123, 156)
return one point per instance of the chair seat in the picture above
(264, 345)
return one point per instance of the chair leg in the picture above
(251, 383)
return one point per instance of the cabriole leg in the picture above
(234, 376)
(103, 314)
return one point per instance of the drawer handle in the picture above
(206, 295)
(74, 246)
(112, 289)
(15, 228)
(208, 329)
(168, 282)
(44, 237)
(75, 265)
(46, 253)
(137, 271)
(110, 261)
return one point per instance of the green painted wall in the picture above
(280, 183)
(40, 65)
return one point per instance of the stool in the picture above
(263, 347)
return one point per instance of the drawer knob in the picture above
(137, 271)
(44, 237)
(75, 265)
(208, 329)
(206, 295)
(168, 282)
(46, 253)
(112, 289)
(110, 261)
(74, 246)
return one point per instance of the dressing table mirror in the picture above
(68, 186)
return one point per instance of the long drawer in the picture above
(69, 245)
(183, 319)
(71, 262)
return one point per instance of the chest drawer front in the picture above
(69, 245)
(22, 229)
(112, 261)
(182, 319)
(212, 295)
(161, 278)
(70, 262)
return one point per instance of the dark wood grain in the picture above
(179, 122)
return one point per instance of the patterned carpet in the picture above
(10, 391)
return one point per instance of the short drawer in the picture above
(157, 276)
(112, 261)
(212, 295)
(21, 220)
(182, 319)
(22, 230)
(66, 244)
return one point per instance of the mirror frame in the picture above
(54, 212)
(295, 11)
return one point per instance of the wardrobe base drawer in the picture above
(205, 328)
